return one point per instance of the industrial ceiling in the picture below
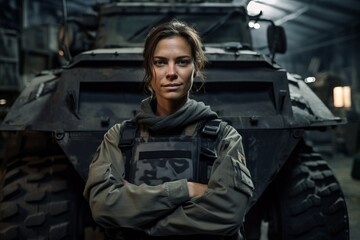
(310, 24)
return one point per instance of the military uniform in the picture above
(165, 209)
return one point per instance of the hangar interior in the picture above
(322, 48)
(322, 40)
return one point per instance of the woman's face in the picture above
(173, 71)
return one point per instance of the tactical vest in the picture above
(157, 159)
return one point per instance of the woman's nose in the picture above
(171, 72)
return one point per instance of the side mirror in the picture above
(276, 39)
(76, 36)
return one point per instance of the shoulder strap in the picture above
(209, 135)
(128, 133)
(212, 127)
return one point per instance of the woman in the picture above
(142, 195)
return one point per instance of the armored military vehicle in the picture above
(58, 121)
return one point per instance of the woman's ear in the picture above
(195, 72)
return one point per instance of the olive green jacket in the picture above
(166, 209)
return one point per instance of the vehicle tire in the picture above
(41, 198)
(310, 203)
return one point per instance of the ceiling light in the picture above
(253, 8)
(61, 53)
(3, 101)
(254, 25)
(310, 79)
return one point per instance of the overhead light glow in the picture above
(254, 25)
(310, 79)
(253, 8)
(3, 101)
(61, 53)
(342, 96)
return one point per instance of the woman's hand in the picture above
(196, 189)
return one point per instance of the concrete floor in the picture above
(342, 166)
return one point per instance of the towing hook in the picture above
(59, 135)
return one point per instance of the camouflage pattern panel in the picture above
(162, 159)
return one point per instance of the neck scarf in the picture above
(192, 111)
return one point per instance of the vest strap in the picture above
(126, 141)
(212, 127)
(127, 134)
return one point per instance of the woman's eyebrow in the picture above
(184, 56)
(161, 57)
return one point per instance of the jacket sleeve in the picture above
(116, 203)
(222, 208)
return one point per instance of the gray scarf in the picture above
(191, 112)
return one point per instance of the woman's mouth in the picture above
(172, 86)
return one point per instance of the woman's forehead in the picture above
(173, 45)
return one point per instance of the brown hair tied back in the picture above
(169, 29)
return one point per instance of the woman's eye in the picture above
(159, 62)
(183, 62)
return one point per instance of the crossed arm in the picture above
(172, 208)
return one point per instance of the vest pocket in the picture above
(242, 178)
(160, 160)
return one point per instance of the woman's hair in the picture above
(169, 29)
